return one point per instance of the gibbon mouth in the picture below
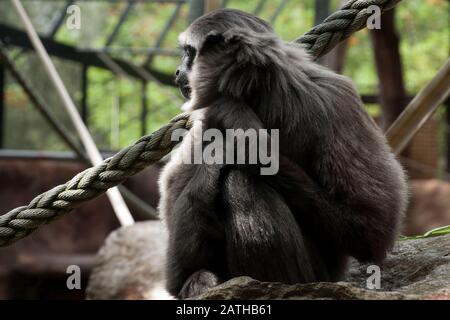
(186, 91)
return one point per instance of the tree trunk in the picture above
(389, 69)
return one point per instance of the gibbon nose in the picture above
(180, 77)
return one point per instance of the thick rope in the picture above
(94, 181)
(351, 18)
(90, 183)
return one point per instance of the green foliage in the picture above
(432, 233)
(425, 46)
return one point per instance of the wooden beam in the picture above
(420, 110)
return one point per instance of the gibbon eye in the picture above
(189, 51)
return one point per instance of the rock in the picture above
(249, 289)
(130, 266)
(420, 267)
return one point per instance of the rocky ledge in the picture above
(130, 266)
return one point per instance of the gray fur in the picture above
(340, 191)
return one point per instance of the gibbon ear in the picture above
(212, 40)
(247, 46)
(259, 49)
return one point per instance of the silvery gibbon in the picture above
(339, 191)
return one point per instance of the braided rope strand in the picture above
(351, 18)
(89, 184)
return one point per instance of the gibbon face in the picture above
(209, 43)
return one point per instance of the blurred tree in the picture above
(389, 69)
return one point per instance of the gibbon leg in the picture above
(263, 239)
